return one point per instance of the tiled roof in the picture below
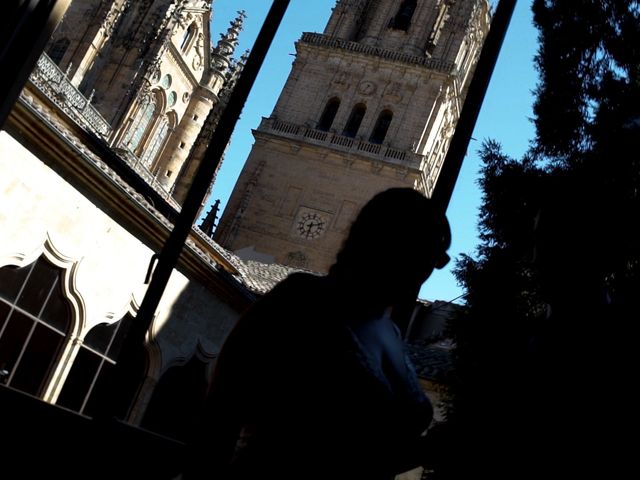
(431, 361)
(261, 277)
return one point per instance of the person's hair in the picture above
(395, 220)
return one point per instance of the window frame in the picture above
(378, 127)
(67, 281)
(331, 108)
(353, 124)
(188, 37)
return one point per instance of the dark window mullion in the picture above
(16, 365)
(115, 334)
(11, 308)
(46, 300)
(39, 320)
(24, 283)
(87, 395)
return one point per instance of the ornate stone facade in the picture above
(152, 73)
(371, 103)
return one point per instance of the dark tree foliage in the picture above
(588, 60)
(587, 116)
(545, 356)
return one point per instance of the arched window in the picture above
(157, 141)
(97, 356)
(188, 36)
(140, 123)
(381, 127)
(329, 114)
(35, 321)
(58, 49)
(402, 20)
(355, 119)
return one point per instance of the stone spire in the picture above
(222, 53)
(231, 77)
(209, 221)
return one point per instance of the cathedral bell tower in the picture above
(369, 104)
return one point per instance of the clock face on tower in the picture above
(311, 225)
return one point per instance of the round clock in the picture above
(367, 88)
(311, 225)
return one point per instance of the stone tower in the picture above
(151, 71)
(371, 103)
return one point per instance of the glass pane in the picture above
(105, 370)
(157, 141)
(4, 313)
(42, 278)
(100, 336)
(128, 383)
(34, 366)
(141, 127)
(57, 311)
(11, 279)
(114, 350)
(135, 121)
(76, 387)
(12, 341)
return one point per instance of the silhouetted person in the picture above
(313, 381)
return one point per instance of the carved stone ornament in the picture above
(155, 75)
(340, 79)
(393, 92)
(367, 88)
(376, 167)
(197, 62)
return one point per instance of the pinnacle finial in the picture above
(244, 57)
(209, 221)
(229, 41)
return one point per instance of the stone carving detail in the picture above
(401, 171)
(155, 73)
(197, 62)
(341, 79)
(297, 259)
(367, 87)
(393, 92)
(376, 167)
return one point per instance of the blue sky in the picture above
(505, 113)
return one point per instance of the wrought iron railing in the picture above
(321, 40)
(54, 83)
(341, 142)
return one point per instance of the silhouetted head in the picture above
(395, 242)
